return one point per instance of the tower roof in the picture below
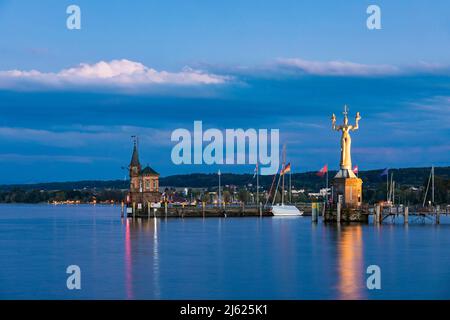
(135, 157)
(149, 171)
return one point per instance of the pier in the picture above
(385, 214)
(376, 214)
(406, 214)
(168, 210)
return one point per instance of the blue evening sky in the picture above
(231, 64)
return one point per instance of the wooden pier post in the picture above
(338, 212)
(438, 214)
(377, 214)
(134, 209)
(148, 209)
(406, 214)
(323, 210)
(122, 209)
(203, 208)
(260, 209)
(165, 209)
(314, 211)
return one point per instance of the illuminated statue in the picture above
(346, 140)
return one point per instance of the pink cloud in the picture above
(115, 73)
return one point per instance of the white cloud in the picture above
(116, 73)
(337, 68)
(130, 76)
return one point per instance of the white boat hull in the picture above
(285, 210)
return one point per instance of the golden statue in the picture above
(347, 187)
(346, 141)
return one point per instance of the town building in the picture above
(144, 183)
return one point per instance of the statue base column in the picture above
(347, 190)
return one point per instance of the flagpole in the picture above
(257, 184)
(290, 186)
(220, 194)
(326, 187)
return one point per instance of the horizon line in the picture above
(206, 173)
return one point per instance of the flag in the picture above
(286, 168)
(256, 170)
(385, 172)
(355, 169)
(322, 171)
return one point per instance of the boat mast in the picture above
(390, 187)
(276, 189)
(387, 186)
(393, 192)
(432, 185)
(271, 188)
(283, 166)
(428, 185)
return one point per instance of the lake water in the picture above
(214, 258)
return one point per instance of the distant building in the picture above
(144, 183)
(322, 193)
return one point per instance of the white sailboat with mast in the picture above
(430, 179)
(284, 209)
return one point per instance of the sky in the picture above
(71, 99)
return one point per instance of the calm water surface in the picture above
(214, 258)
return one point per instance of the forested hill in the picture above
(308, 180)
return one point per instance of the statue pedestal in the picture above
(347, 191)
(347, 199)
(347, 188)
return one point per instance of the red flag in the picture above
(322, 171)
(286, 168)
(355, 169)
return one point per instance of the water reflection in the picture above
(350, 262)
(156, 261)
(140, 232)
(128, 263)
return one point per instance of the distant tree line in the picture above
(410, 187)
(18, 195)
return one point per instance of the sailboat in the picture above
(284, 209)
(430, 179)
